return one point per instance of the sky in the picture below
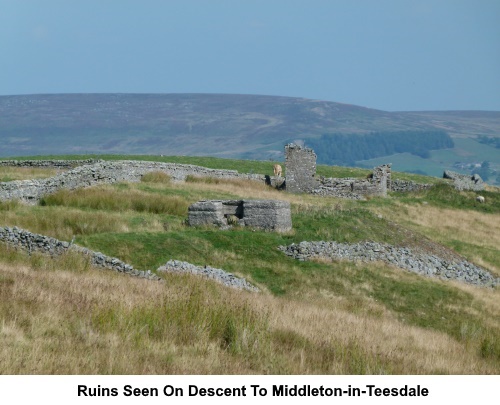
(394, 55)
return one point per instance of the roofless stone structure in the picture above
(272, 215)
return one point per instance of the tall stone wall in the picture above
(382, 177)
(300, 169)
(301, 177)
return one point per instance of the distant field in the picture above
(466, 150)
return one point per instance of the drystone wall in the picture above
(405, 258)
(272, 215)
(31, 242)
(108, 172)
(465, 182)
(405, 186)
(219, 275)
(56, 164)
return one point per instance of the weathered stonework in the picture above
(53, 164)
(301, 177)
(465, 182)
(31, 242)
(419, 262)
(405, 186)
(300, 169)
(272, 215)
(105, 172)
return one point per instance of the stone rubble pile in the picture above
(219, 275)
(405, 258)
(465, 182)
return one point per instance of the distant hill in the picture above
(238, 126)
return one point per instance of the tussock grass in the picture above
(8, 173)
(186, 325)
(114, 199)
(156, 177)
(473, 234)
(63, 224)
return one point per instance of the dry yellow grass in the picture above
(447, 225)
(56, 320)
(8, 173)
(61, 316)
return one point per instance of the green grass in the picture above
(143, 224)
(242, 166)
(466, 150)
(445, 196)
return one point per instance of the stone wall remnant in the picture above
(272, 215)
(422, 263)
(465, 182)
(219, 275)
(106, 172)
(301, 177)
(31, 242)
(300, 166)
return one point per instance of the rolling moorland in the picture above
(235, 126)
(317, 316)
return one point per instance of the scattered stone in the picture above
(465, 182)
(219, 275)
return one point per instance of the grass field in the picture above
(311, 318)
(466, 150)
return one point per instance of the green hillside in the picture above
(312, 317)
(235, 126)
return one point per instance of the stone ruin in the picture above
(465, 182)
(301, 177)
(272, 215)
(300, 166)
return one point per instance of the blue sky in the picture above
(386, 54)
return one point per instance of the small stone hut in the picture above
(272, 215)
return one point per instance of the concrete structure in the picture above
(272, 215)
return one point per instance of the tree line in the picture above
(341, 148)
(491, 141)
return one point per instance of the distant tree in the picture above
(340, 148)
